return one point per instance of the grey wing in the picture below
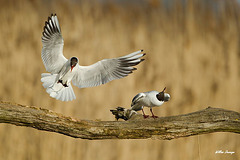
(137, 98)
(52, 41)
(106, 70)
(136, 105)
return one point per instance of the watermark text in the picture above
(224, 152)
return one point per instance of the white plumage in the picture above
(63, 71)
(149, 99)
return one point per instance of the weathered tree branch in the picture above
(166, 128)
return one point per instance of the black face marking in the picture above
(73, 61)
(160, 95)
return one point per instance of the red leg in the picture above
(144, 115)
(153, 114)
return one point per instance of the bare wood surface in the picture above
(205, 121)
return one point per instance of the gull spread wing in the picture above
(52, 51)
(106, 70)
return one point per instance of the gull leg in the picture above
(153, 114)
(144, 115)
(59, 81)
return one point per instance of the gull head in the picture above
(162, 96)
(73, 62)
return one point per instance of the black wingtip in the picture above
(53, 14)
(144, 54)
(120, 108)
(142, 60)
(134, 69)
(141, 50)
(49, 18)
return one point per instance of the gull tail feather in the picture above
(48, 79)
(65, 94)
(57, 90)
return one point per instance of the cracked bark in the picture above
(205, 121)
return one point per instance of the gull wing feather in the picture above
(52, 41)
(106, 70)
(136, 104)
(137, 98)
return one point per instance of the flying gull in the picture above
(63, 71)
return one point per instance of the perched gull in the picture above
(149, 99)
(63, 71)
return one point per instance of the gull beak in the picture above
(72, 68)
(166, 97)
(164, 89)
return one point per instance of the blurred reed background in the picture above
(193, 48)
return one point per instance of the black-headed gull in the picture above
(63, 71)
(149, 99)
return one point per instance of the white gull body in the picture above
(149, 99)
(63, 71)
